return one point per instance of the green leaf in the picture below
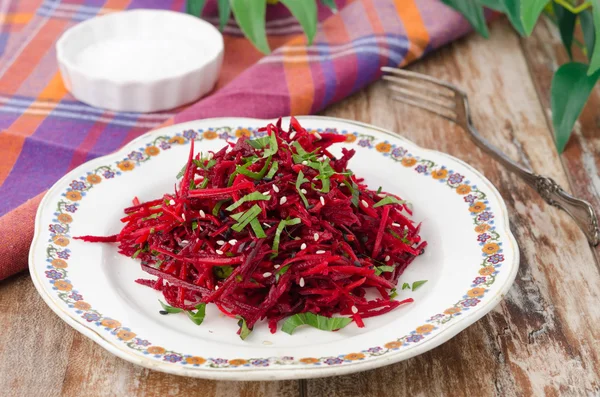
(595, 55)
(194, 7)
(281, 272)
(272, 170)
(417, 284)
(405, 286)
(250, 16)
(198, 316)
(244, 330)
(314, 320)
(388, 200)
(273, 147)
(180, 173)
(589, 36)
(393, 293)
(224, 12)
(530, 12)
(244, 218)
(217, 207)
(331, 4)
(473, 12)
(305, 11)
(222, 272)
(566, 25)
(512, 9)
(280, 227)
(170, 309)
(570, 89)
(383, 269)
(257, 228)
(254, 196)
(299, 181)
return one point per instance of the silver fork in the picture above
(450, 102)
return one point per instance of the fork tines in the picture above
(422, 91)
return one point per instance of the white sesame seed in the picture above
(320, 252)
(277, 266)
(305, 162)
(387, 258)
(364, 203)
(233, 241)
(201, 177)
(219, 252)
(303, 191)
(316, 236)
(283, 200)
(303, 246)
(216, 287)
(266, 225)
(322, 200)
(396, 224)
(354, 309)
(184, 242)
(202, 214)
(381, 195)
(183, 216)
(221, 242)
(266, 274)
(171, 202)
(267, 194)
(292, 135)
(318, 136)
(210, 156)
(275, 189)
(301, 282)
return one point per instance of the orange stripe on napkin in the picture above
(416, 32)
(299, 79)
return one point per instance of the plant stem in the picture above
(575, 40)
(574, 9)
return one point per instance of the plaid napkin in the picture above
(45, 132)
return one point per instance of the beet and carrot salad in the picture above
(270, 229)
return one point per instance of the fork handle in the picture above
(580, 210)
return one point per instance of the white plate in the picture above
(471, 260)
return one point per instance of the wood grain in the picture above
(542, 340)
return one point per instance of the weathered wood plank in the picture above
(42, 355)
(544, 54)
(541, 339)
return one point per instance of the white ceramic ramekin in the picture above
(140, 60)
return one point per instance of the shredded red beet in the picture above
(271, 227)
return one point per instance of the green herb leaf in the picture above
(393, 293)
(379, 190)
(595, 54)
(136, 253)
(280, 227)
(473, 11)
(153, 216)
(194, 225)
(570, 90)
(204, 183)
(388, 200)
(198, 316)
(314, 320)
(169, 309)
(222, 272)
(299, 181)
(305, 12)
(245, 218)
(257, 228)
(251, 174)
(418, 284)
(405, 286)
(244, 330)
(224, 12)
(272, 170)
(530, 12)
(194, 7)
(273, 147)
(254, 196)
(587, 27)
(250, 16)
(259, 143)
(281, 272)
(383, 269)
(180, 173)
(566, 25)
(217, 207)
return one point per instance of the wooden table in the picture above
(544, 339)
